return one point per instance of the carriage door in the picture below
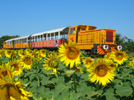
(72, 35)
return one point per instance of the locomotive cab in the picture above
(88, 38)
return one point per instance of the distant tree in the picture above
(127, 44)
(119, 39)
(6, 37)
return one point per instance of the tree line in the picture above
(6, 37)
(126, 43)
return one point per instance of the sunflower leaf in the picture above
(124, 91)
(75, 96)
(110, 94)
(60, 88)
(85, 76)
(70, 72)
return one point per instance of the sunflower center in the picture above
(9, 52)
(4, 73)
(101, 70)
(72, 53)
(0, 53)
(15, 66)
(130, 58)
(43, 52)
(28, 61)
(88, 61)
(112, 65)
(54, 63)
(119, 56)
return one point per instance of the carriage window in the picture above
(38, 39)
(48, 37)
(56, 35)
(52, 36)
(72, 31)
(44, 38)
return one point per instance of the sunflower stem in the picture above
(97, 87)
(56, 74)
(75, 85)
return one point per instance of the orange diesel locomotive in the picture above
(88, 38)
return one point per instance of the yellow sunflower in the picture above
(49, 54)
(27, 62)
(22, 54)
(8, 53)
(17, 67)
(119, 56)
(112, 64)
(27, 51)
(43, 52)
(51, 63)
(36, 59)
(78, 69)
(32, 55)
(131, 63)
(39, 56)
(35, 50)
(69, 54)
(5, 70)
(101, 73)
(1, 53)
(13, 91)
(88, 62)
(108, 56)
(130, 58)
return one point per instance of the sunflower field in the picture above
(66, 74)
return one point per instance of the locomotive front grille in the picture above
(109, 36)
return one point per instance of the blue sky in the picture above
(25, 17)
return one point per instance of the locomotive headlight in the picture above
(119, 47)
(105, 46)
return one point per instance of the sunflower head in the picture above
(8, 53)
(130, 58)
(51, 63)
(54, 63)
(35, 50)
(6, 71)
(28, 51)
(13, 91)
(27, 61)
(131, 63)
(88, 62)
(102, 73)
(39, 56)
(69, 54)
(1, 53)
(17, 67)
(43, 52)
(119, 57)
(108, 56)
(77, 69)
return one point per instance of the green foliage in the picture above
(4, 38)
(127, 44)
(68, 85)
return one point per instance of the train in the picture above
(86, 37)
